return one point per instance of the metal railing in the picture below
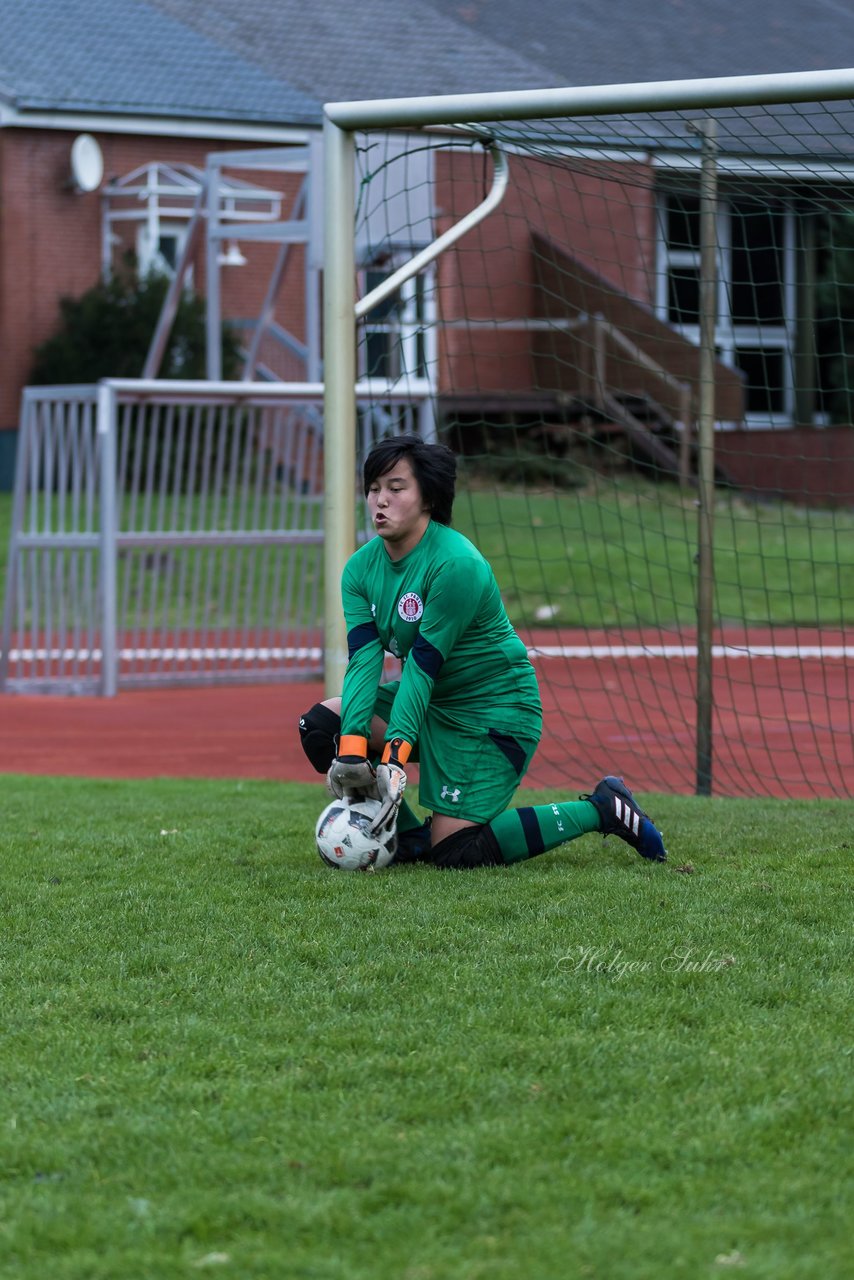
(168, 533)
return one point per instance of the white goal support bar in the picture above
(432, 251)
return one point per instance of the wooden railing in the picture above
(603, 398)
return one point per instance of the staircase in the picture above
(615, 364)
(641, 433)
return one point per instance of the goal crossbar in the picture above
(531, 104)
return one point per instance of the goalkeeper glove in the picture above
(391, 783)
(351, 773)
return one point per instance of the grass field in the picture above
(623, 554)
(219, 1056)
(620, 552)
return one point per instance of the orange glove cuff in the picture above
(399, 748)
(350, 744)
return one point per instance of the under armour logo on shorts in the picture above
(448, 794)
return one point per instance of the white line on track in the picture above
(596, 652)
(599, 651)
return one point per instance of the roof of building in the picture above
(278, 61)
(627, 41)
(376, 48)
(126, 57)
(398, 48)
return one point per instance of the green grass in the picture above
(622, 553)
(619, 553)
(218, 1055)
(191, 587)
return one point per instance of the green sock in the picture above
(523, 833)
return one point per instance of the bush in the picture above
(107, 331)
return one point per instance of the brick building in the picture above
(160, 85)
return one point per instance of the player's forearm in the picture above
(361, 679)
(410, 704)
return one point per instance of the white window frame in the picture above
(730, 337)
(409, 327)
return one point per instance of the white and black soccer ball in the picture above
(344, 839)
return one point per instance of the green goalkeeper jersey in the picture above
(439, 610)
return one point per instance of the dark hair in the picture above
(433, 465)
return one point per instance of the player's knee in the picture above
(467, 848)
(318, 731)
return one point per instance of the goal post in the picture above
(339, 405)
(710, 292)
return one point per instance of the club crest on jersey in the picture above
(410, 607)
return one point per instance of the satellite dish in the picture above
(87, 163)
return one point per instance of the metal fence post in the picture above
(13, 566)
(706, 458)
(106, 432)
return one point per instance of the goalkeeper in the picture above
(467, 706)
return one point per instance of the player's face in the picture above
(397, 509)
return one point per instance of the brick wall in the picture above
(50, 241)
(803, 465)
(605, 219)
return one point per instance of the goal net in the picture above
(644, 358)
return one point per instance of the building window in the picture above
(683, 295)
(160, 251)
(757, 264)
(764, 380)
(682, 240)
(755, 299)
(399, 333)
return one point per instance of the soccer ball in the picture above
(344, 839)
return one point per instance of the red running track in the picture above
(782, 725)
